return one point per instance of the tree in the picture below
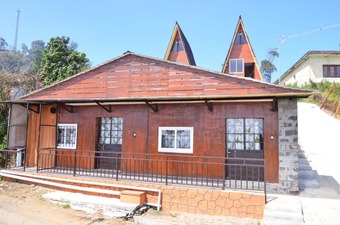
(3, 44)
(267, 66)
(61, 60)
(36, 53)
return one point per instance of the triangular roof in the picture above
(132, 78)
(240, 27)
(185, 55)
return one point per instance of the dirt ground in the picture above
(23, 204)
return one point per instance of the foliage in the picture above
(267, 66)
(324, 88)
(61, 60)
(36, 54)
(3, 44)
(14, 62)
(17, 77)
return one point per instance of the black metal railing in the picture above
(205, 171)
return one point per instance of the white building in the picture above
(316, 66)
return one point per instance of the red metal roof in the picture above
(132, 77)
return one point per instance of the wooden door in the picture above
(244, 148)
(109, 143)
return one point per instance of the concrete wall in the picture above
(288, 148)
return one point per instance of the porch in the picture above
(203, 185)
(179, 170)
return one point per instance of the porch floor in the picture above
(105, 175)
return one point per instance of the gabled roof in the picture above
(302, 59)
(132, 77)
(240, 26)
(178, 35)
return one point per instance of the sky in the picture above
(105, 29)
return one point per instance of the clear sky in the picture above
(105, 29)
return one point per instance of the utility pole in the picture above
(16, 31)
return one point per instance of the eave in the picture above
(164, 99)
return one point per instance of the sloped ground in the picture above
(24, 204)
(319, 138)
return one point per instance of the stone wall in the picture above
(288, 148)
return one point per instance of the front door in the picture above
(110, 143)
(244, 145)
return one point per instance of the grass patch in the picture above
(324, 88)
(66, 206)
(100, 219)
(173, 215)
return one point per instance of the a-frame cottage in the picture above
(193, 135)
(241, 60)
(179, 49)
(144, 119)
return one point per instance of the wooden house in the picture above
(135, 112)
(241, 60)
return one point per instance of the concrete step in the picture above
(110, 207)
(304, 167)
(303, 161)
(307, 174)
(301, 154)
(308, 183)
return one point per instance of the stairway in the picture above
(307, 177)
(124, 194)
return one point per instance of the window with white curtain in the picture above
(176, 139)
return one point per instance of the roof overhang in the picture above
(178, 99)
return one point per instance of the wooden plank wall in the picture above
(209, 128)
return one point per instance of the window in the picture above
(177, 46)
(67, 136)
(111, 130)
(236, 66)
(244, 134)
(175, 139)
(331, 71)
(240, 38)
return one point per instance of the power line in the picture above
(283, 38)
